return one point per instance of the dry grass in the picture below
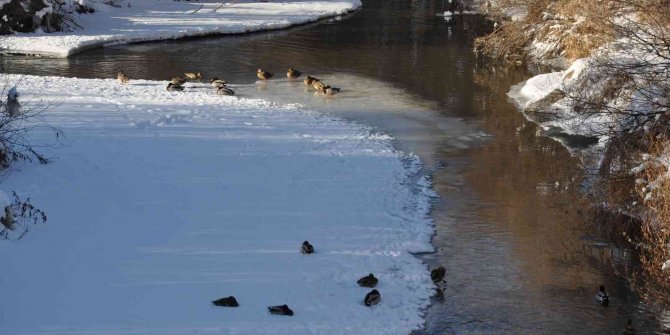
(570, 28)
(656, 219)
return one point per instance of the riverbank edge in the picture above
(354, 5)
(416, 179)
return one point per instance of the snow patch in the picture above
(160, 20)
(160, 202)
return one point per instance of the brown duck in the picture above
(178, 80)
(264, 75)
(293, 74)
(193, 75)
(318, 85)
(122, 78)
(309, 80)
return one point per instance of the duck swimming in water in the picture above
(280, 310)
(437, 275)
(602, 296)
(372, 298)
(307, 248)
(368, 281)
(309, 80)
(193, 75)
(122, 78)
(226, 302)
(293, 74)
(174, 87)
(328, 90)
(318, 85)
(264, 75)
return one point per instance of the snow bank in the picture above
(168, 19)
(160, 202)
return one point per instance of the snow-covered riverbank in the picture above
(168, 19)
(161, 202)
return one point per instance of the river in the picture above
(520, 256)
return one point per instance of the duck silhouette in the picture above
(280, 310)
(307, 248)
(224, 91)
(368, 281)
(174, 87)
(602, 296)
(226, 302)
(437, 275)
(372, 298)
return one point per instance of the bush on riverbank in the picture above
(619, 92)
(546, 29)
(26, 16)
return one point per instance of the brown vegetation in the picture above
(571, 29)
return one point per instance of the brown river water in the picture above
(520, 257)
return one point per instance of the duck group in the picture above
(176, 84)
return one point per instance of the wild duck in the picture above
(328, 90)
(318, 85)
(309, 80)
(307, 248)
(293, 74)
(629, 329)
(174, 87)
(216, 82)
(193, 75)
(602, 296)
(368, 281)
(122, 78)
(178, 80)
(224, 91)
(280, 310)
(226, 302)
(437, 275)
(264, 75)
(372, 298)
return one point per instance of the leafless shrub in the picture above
(18, 217)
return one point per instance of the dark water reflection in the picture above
(520, 258)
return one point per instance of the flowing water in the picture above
(520, 257)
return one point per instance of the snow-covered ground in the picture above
(149, 20)
(161, 202)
